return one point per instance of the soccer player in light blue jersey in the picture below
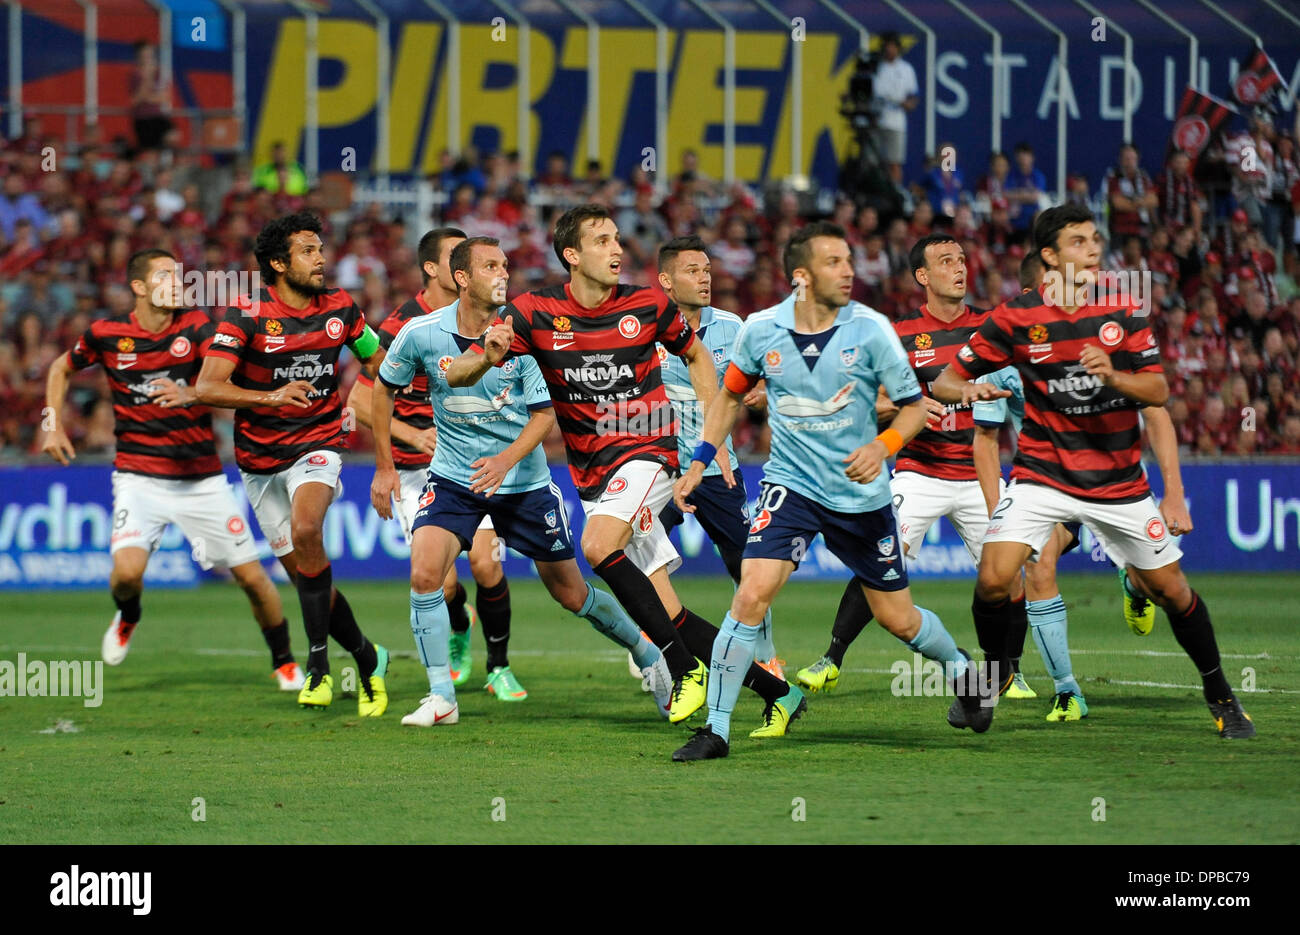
(488, 462)
(686, 277)
(826, 469)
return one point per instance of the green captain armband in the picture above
(366, 345)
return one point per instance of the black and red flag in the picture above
(1200, 117)
(1258, 79)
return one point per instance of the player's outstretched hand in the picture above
(426, 441)
(298, 393)
(1177, 517)
(170, 395)
(685, 486)
(864, 463)
(1097, 363)
(497, 341)
(934, 412)
(383, 489)
(980, 392)
(58, 447)
(490, 475)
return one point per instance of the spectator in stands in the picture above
(896, 92)
(281, 174)
(732, 254)
(18, 204)
(1249, 156)
(1179, 196)
(1133, 197)
(148, 99)
(1025, 184)
(360, 261)
(944, 184)
(642, 228)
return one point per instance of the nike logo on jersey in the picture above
(1039, 360)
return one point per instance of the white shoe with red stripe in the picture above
(117, 641)
(290, 677)
(434, 711)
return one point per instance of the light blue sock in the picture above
(763, 648)
(1048, 624)
(733, 651)
(432, 627)
(933, 641)
(610, 620)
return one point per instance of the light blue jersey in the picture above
(821, 397)
(472, 421)
(996, 411)
(717, 332)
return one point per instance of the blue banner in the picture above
(55, 525)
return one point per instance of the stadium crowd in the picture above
(1224, 274)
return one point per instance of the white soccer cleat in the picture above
(657, 680)
(290, 677)
(434, 711)
(635, 671)
(117, 641)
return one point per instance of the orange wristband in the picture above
(893, 440)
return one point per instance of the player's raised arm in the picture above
(57, 444)
(1147, 388)
(951, 387)
(469, 367)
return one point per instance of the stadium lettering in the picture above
(1272, 512)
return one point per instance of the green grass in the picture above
(585, 759)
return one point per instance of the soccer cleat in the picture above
(1019, 688)
(117, 640)
(317, 692)
(774, 666)
(372, 700)
(777, 716)
(434, 711)
(657, 680)
(1068, 706)
(502, 683)
(1233, 723)
(635, 670)
(976, 698)
(703, 745)
(461, 658)
(290, 677)
(688, 694)
(1139, 612)
(822, 676)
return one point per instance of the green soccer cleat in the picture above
(461, 659)
(502, 683)
(1139, 612)
(822, 676)
(318, 691)
(688, 694)
(1019, 688)
(779, 715)
(1068, 706)
(1233, 723)
(372, 699)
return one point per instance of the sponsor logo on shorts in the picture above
(334, 328)
(318, 460)
(1111, 333)
(235, 525)
(557, 546)
(124, 534)
(427, 498)
(279, 543)
(645, 520)
(181, 346)
(125, 345)
(629, 327)
(891, 575)
(617, 485)
(886, 545)
(761, 521)
(552, 518)
(1155, 529)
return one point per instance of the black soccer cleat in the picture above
(1232, 721)
(976, 698)
(704, 745)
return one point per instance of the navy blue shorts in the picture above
(723, 511)
(533, 523)
(786, 523)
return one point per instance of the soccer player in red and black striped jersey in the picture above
(414, 439)
(274, 360)
(595, 341)
(1087, 365)
(934, 475)
(166, 468)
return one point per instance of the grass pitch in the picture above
(192, 714)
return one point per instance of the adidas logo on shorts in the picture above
(557, 546)
(891, 575)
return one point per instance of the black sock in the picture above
(456, 610)
(277, 640)
(130, 609)
(1016, 632)
(732, 558)
(344, 629)
(992, 622)
(850, 620)
(1194, 633)
(494, 613)
(638, 596)
(314, 596)
(698, 635)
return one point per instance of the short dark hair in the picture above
(668, 252)
(1050, 223)
(431, 247)
(797, 252)
(137, 268)
(568, 229)
(273, 241)
(1023, 147)
(1031, 270)
(461, 253)
(916, 256)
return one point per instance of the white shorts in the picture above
(1131, 533)
(205, 510)
(271, 495)
(413, 481)
(637, 494)
(919, 501)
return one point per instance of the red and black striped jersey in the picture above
(273, 344)
(174, 443)
(931, 344)
(1079, 435)
(602, 369)
(411, 404)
